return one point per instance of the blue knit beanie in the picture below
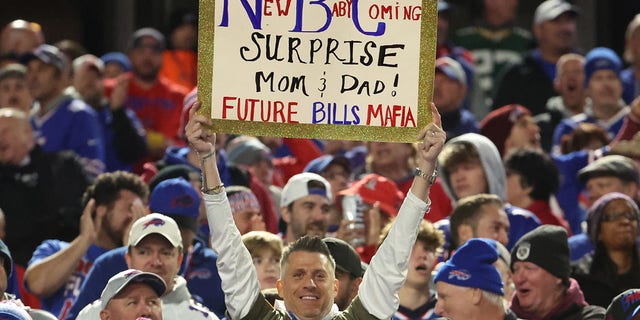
(601, 58)
(472, 266)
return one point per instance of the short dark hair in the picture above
(467, 212)
(536, 170)
(457, 153)
(316, 184)
(307, 244)
(581, 136)
(107, 186)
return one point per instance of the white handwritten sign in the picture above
(349, 69)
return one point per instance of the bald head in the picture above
(569, 57)
(20, 36)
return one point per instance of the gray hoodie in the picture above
(521, 220)
(491, 163)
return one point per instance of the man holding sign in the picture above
(307, 282)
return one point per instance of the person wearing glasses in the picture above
(613, 267)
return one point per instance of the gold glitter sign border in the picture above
(428, 27)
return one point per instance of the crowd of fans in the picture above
(117, 202)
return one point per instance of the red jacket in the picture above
(544, 212)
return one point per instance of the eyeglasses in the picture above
(630, 215)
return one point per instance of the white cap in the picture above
(452, 69)
(155, 223)
(551, 9)
(302, 185)
(120, 281)
(88, 60)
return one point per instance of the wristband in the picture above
(431, 179)
(208, 155)
(215, 190)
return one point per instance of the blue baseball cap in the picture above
(49, 55)
(175, 197)
(319, 164)
(117, 57)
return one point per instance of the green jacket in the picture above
(263, 310)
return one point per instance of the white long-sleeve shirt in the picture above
(378, 291)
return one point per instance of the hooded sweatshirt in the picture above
(521, 220)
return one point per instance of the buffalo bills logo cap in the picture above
(155, 223)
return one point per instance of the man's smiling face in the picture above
(308, 285)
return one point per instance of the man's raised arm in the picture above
(388, 269)
(235, 266)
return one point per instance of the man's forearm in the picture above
(51, 273)
(239, 279)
